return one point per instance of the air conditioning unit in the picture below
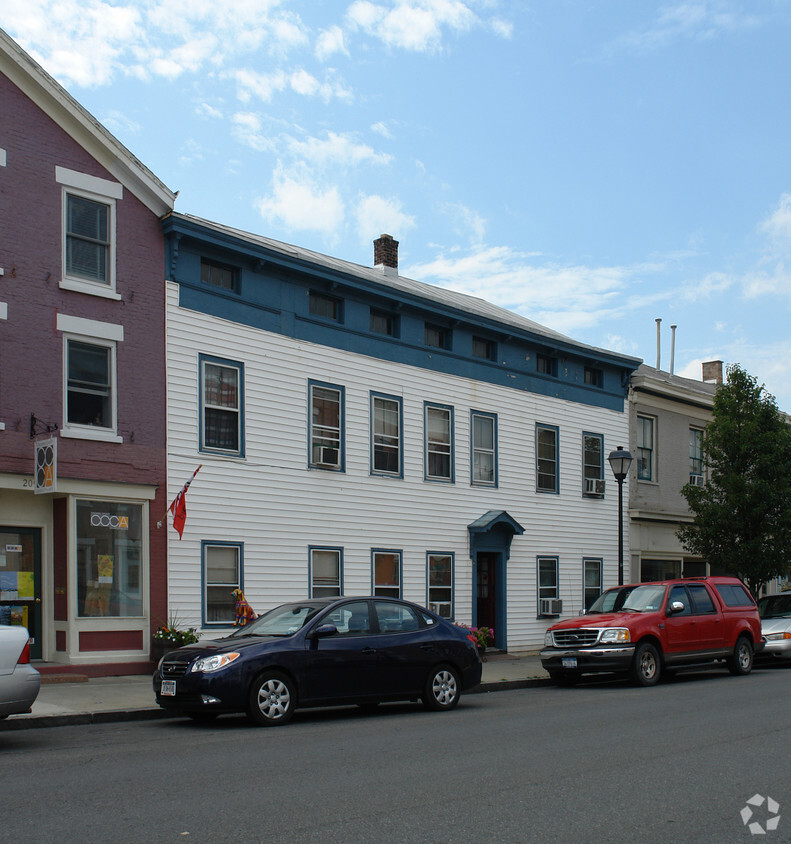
(696, 480)
(328, 456)
(594, 486)
(441, 608)
(550, 606)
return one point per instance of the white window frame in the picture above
(435, 446)
(379, 438)
(204, 447)
(318, 433)
(548, 591)
(206, 545)
(387, 590)
(328, 589)
(555, 461)
(450, 589)
(104, 192)
(696, 451)
(476, 449)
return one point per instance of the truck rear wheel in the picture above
(740, 662)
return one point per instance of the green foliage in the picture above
(742, 516)
(175, 634)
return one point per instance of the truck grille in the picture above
(174, 668)
(579, 638)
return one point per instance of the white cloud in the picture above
(466, 222)
(381, 129)
(246, 128)
(264, 86)
(206, 110)
(336, 150)
(330, 42)
(376, 214)
(777, 226)
(298, 203)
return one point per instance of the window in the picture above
(734, 595)
(110, 577)
(222, 574)
(386, 444)
(387, 573)
(440, 584)
(439, 443)
(701, 600)
(695, 451)
(645, 448)
(396, 618)
(219, 275)
(591, 581)
(350, 619)
(325, 572)
(483, 444)
(326, 426)
(437, 337)
(547, 579)
(482, 348)
(546, 459)
(593, 464)
(384, 323)
(324, 306)
(221, 406)
(593, 377)
(546, 365)
(89, 384)
(88, 232)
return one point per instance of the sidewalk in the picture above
(103, 699)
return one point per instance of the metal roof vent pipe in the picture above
(672, 347)
(658, 346)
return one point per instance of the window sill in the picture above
(80, 286)
(97, 435)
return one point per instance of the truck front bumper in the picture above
(587, 660)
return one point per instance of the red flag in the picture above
(179, 506)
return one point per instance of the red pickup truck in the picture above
(647, 629)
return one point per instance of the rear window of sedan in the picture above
(734, 595)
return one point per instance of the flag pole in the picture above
(182, 490)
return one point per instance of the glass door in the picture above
(20, 582)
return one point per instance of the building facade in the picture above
(359, 432)
(82, 379)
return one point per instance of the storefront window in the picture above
(109, 559)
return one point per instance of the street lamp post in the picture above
(620, 461)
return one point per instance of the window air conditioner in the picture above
(328, 456)
(594, 486)
(550, 606)
(696, 480)
(441, 608)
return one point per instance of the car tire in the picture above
(272, 699)
(561, 678)
(740, 662)
(646, 665)
(442, 689)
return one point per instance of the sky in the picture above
(594, 165)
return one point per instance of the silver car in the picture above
(775, 612)
(19, 681)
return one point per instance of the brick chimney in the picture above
(712, 371)
(386, 252)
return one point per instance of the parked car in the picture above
(321, 652)
(19, 681)
(775, 612)
(647, 629)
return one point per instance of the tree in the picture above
(742, 516)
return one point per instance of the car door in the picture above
(407, 650)
(709, 628)
(342, 666)
(680, 627)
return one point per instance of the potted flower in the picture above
(170, 636)
(481, 637)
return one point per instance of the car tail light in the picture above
(24, 657)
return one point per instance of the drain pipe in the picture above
(658, 347)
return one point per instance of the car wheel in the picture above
(646, 666)
(741, 660)
(560, 678)
(443, 689)
(271, 700)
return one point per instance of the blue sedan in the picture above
(321, 652)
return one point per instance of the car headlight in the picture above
(206, 664)
(616, 634)
(548, 640)
(774, 637)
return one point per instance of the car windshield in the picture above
(611, 600)
(775, 606)
(647, 598)
(284, 620)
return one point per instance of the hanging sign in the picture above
(46, 468)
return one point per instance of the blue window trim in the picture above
(493, 416)
(311, 549)
(395, 322)
(337, 301)
(491, 344)
(600, 438)
(600, 562)
(202, 447)
(342, 434)
(556, 560)
(205, 543)
(542, 427)
(426, 476)
(452, 555)
(378, 472)
(400, 553)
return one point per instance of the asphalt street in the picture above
(602, 762)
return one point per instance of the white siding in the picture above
(277, 506)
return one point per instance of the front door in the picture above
(487, 590)
(20, 582)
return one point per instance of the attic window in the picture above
(219, 275)
(325, 306)
(594, 377)
(546, 365)
(437, 337)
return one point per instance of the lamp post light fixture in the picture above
(620, 461)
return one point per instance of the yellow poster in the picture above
(25, 584)
(104, 563)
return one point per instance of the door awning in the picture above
(495, 519)
(493, 531)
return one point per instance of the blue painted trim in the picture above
(400, 553)
(484, 415)
(556, 561)
(600, 562)
(599, 437)
(452, 555)
(542, 427)
(342, 413)
(378, 472)
(311, 549)
(202, 447)
(426, 476)
(214, 543)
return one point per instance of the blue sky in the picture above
(592, 165)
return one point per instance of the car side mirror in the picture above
(675, 607)
(324, 630)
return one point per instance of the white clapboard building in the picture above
(360, 432)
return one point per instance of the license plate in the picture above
(168, 688)
(566, 662)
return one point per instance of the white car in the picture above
(775, 612)
(19, 681)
